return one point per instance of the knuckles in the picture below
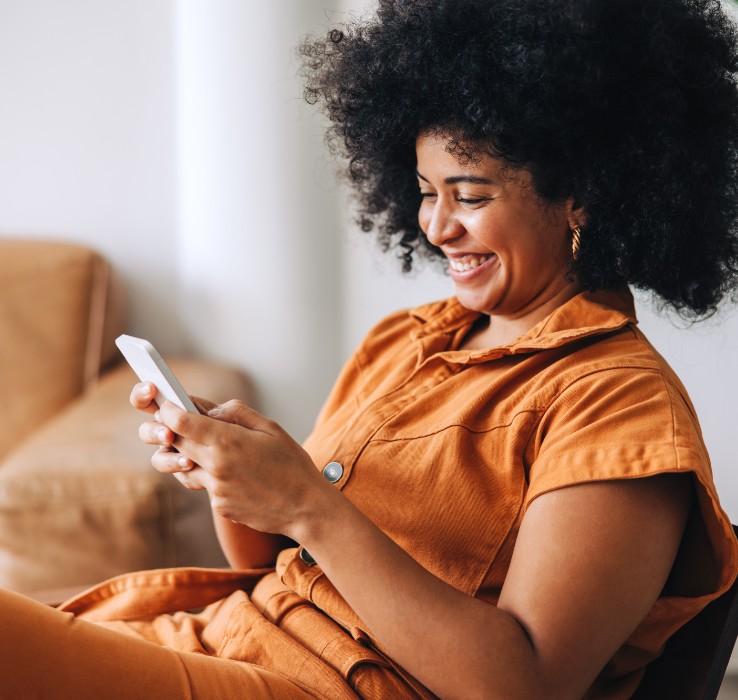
(234, 410)
(218, 467)
(270, 426)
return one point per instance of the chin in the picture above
(474, 303)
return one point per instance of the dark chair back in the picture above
(695, 658)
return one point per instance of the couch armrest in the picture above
(59, 312)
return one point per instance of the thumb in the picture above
(239, 413)
(203, 405)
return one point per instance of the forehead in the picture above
(450, 147)
(442, 155)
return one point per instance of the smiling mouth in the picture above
(468, 262)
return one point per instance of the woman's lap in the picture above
(45, 653)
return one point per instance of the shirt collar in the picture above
(586, 314)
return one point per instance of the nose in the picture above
(439, 223)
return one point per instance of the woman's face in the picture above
(508, 251)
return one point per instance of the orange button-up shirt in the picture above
(444, 449)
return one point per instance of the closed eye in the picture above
(463, 200)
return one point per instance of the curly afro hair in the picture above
(629, 107)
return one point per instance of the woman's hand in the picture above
(142, 398)
(254, 472)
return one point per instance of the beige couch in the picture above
(79, 501)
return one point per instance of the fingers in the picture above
(189, 481)
(154, 433)
(183, 423)
(190, 433)
(195, 428)
(143, 393)
(214, 442)
(142, 397)
(168, 461)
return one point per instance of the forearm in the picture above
(456, 645)
(244, 547)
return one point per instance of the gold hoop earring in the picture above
(576, 241)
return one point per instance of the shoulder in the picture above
(613, 409)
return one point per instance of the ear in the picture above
(575, 213)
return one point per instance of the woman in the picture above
(512, 498)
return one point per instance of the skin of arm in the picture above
(244, 547)
(589, 562)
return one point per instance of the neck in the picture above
(494, 330)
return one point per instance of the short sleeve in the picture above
(628, 423)
(615, 424)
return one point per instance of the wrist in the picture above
(317, 516)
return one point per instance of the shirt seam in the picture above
(499, 426)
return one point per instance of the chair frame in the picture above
(694, 661)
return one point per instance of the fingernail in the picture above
(145, 390)
(214, 412)
(162, 434)
(157, 417)
(183, 464)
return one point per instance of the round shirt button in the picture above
(305, 556)
(332, 472)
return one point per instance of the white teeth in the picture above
(468, 263)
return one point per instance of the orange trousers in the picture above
(187, 634)
(45, 654)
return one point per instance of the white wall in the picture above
(86, 140)
(171, 135)
(260, 274)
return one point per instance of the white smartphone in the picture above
(148, 364)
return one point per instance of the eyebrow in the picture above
(471, 179)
